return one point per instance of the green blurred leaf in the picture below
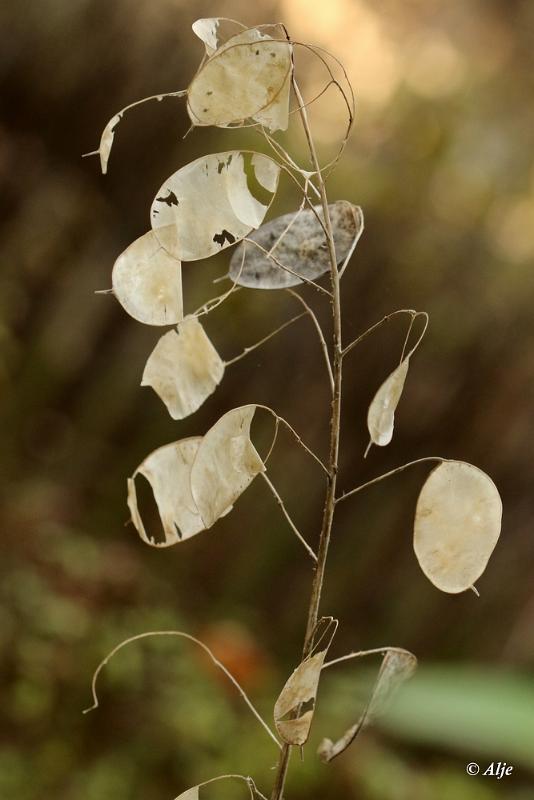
(472, 709)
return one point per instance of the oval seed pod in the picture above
(208, 205)
(457, 525)
(225, 464)
(184, 368)
(299, 243)
(242, 79)
(381, 414)
(147, 282)
(168, 471)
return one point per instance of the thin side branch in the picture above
(293, 219)
(120, 114)
(290, 163)
(361, 653)
(355, 241)
(421, 335)
(270, 335)
(200, 644)
(348, 100)
(407, 338)
(395, 471)
(320, 334)
(285, 512)
(380, 322)
(214, 302)
(295, 435)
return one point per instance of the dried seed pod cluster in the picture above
(246, 78)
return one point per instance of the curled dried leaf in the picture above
(292, 715)
(168, 471)
(397, 666)
(212, 203)
(184, 368)
(108, 134)
(106, 141)
(297, 241)
(147, 282)
(300, 688)
(245, 78)
(457, 525)
(225, 464)
(381, 414)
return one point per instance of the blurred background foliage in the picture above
(441, 160)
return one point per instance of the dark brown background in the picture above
(441, 162)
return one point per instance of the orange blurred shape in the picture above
(239, 651)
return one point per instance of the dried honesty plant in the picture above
(247, 78)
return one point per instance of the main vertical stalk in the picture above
(335, 419)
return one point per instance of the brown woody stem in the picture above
(335, 419)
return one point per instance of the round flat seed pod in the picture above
(210, 204)
(225, 464)
(168, 471)
(457, 525)
(184, 368)
(299, 244)
(243, 78)
(147, 282)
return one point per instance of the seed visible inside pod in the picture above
(298, 242)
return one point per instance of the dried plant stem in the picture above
(120, 115)
(380, 322)
(335, 419)
(295, 435)
(285, 512)
(352, 247)
(320, 334)
(200, 644)
(375, 651)
(214, 302)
